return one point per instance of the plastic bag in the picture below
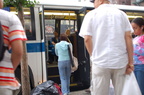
(131, 86)
(111, 88)
(46, 88)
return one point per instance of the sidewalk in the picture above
(81, 92)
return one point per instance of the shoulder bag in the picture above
(73, 60)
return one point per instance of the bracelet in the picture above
(131, 65)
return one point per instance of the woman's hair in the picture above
(63, 37)
(67, 32)
(138, 21)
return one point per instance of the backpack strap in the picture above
(2, 47)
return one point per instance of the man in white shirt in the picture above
(107, 35)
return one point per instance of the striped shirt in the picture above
(13, 30)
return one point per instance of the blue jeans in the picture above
(139, 73)
(65, 73)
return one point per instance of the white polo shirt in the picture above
(107, 26)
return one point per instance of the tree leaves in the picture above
(18, 3)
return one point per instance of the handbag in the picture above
(73, 60)
(131, 86)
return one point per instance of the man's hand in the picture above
(129, 68)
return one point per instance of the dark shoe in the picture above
(87, 90)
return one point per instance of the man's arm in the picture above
(88, 44)
(129, 46)
(17, 52)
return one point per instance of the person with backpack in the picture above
(13, 36)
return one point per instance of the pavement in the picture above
(81, 92)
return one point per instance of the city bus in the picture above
(46, 18)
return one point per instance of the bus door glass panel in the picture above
(29, 23)
(68, 27)
(49, 34)
(51, 17)
(83, 56)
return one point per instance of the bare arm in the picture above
(88, 44)
(129, 46)
(17, 52)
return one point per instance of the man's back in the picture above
(107, 26)
(107, 36)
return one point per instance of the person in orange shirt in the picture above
(14, 34)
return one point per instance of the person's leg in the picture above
(100, 81)
(139, 73)
(15, 92)
(68, 74)
(62, 72)
(118, 78)
(5, 91)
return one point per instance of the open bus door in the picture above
(60, 19)
(83, 56)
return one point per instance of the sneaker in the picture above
(87, 90)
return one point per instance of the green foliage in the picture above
(19, 3)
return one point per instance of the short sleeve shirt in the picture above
(12, 30)
(138, 44)
(107, 26)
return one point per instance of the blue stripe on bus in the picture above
(35, 47)
(6, 8)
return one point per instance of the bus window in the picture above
(70, 28)
(49, 28)
(67, 24)
(75, 26)
(29, 22)
(132, 15)
(27, 26)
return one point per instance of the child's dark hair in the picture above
(138, 21)
(63, 37)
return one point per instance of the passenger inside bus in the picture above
(52, 56)
(55, 39)
(28, 29)
(72, 39)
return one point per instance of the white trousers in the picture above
(6, 91)
(100, 82)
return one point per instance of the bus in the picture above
(46, 18)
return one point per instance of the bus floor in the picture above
(80, 92)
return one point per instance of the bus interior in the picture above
(66, 21)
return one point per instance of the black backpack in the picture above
(2, 47)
